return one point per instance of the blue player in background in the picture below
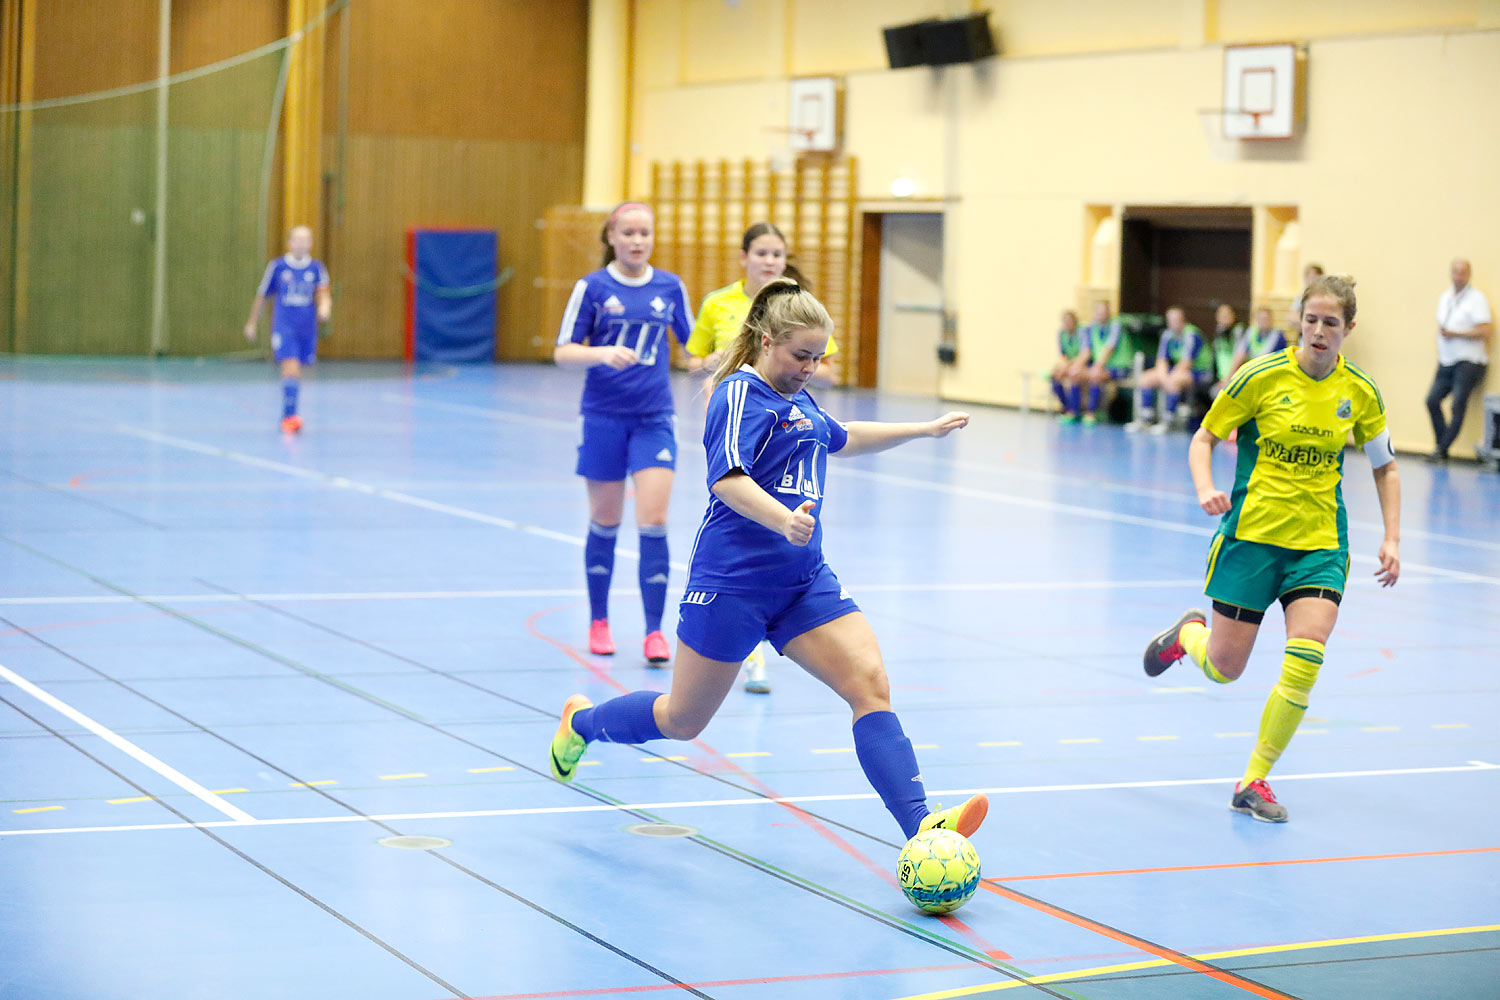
(616, 325)
(300, 287)
(757, 569)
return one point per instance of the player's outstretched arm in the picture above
(867, 436)
(1201, 465)
(746, 498)
(1388, 488)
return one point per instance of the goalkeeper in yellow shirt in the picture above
(1284, 531)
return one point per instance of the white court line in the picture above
(1471, 766)
(1108, 515)
(445, 595)
(173, 775)
(503, 416)
(578, 541)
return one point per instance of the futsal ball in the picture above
(938, 870)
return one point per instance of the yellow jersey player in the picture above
(1284, 531)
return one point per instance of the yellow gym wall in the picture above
(1093, 102)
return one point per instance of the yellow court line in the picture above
(750, 753)
(925, 746)
(1450, 725)
(659, 760)
(1314, 732)
(1234, 736)
(1156, 963)
(834, 750)
(400, 777)
(227, 791)
(487, 770)
(589, 763)
(312, 784)
(121, 802)
(1002, 743)
(1380, 729)
(39, 809)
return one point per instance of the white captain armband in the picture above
(1379, 449)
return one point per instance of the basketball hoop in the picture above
(785, 143)
(1223, 128)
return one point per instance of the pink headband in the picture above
(623, 206)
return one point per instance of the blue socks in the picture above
(655, 566)
(1060, 393)
(1172, 400)
(289, 387)
(1148, 402)
(599, 564)
(626, 719)
(891, 767)
(1094, 398)
(1075, 398)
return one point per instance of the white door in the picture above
(911, 301)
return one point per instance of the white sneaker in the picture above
(1136, 426)
(756, 681)
(1160, 428)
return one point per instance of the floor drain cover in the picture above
(414, 843)
(660, 830)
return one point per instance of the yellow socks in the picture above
(1285, 706)
(1194, 639)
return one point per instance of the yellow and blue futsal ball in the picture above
(938, 870)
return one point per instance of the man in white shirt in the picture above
(1464, 324)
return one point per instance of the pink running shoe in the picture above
(600, 643)
(656, 648)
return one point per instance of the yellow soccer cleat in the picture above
(568, 746)
(964, 818)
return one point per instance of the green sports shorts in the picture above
(1253, 575)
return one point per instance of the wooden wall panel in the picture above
(397, 182)
(207, 31)
(496, 69)
(460, 113)
(82, 47)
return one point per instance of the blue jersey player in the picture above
(299, 285)
(757, 569)
(616, 325)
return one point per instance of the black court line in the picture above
(210, 834)
(77, 497)
(335, 800)
(756, 864)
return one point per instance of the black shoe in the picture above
(1438, 457)
(1164, 650)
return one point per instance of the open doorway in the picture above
(1195, 258)
(902, 307)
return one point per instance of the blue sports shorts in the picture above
(610, 448)
(727, 626)
(295, 345)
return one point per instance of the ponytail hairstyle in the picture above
(609, 223)
(1339, 287)
(779, 308)
(760, 229)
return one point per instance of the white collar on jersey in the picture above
(296, 261)
(752, 370)
(622, 278)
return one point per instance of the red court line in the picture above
(758, 981)
(1250, 864)
(1151, 948)
(810, 821)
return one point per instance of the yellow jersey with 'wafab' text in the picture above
(1292, 429)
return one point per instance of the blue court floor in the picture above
(243, 675)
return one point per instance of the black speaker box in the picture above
(939, 43)
(961, 40)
